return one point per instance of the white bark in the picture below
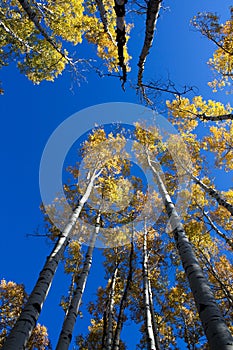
(154, 323)
(24, 326)
(217, 333)
(146, 298)
(71, 316)
(109, 335)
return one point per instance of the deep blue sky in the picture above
(29, 114)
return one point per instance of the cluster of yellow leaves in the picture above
(66, 19)
(167, 337)
(74, 257)
(105, 41)
(222, 215)
(148, 137)
(180, 311)
(94, 338)
(222, 61)
(186, 112)
(63, 21)
(117, 191)
(12, 299)
(43, 63)
(224, 269)
(220, 142)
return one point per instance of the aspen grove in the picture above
(166, 250)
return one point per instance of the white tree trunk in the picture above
(71, 316)
(154, 323)
(109, 336)
(217, 332)
(25, 324)
(146, 299)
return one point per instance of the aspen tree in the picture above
(217, 333)
(95, 162)
(152, 342)
(65, 336)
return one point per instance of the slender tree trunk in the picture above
(154, 323)
(217, 333)
(23, 327)
(72, 288)
(116, 340)
(213, 193)
(109, 335)
(146, 300)
(71, 316)
(121, 35)
(153, 7)
(220, 233)
(104, 19)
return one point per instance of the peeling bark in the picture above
(71, 316)
(25, 324)
(121, 35)
(217, 332)
(153, 7)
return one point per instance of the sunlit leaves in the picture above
(44, 57)
(12, 299)
(220, 142)
(221, 34)
(187, 113)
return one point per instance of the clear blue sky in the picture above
(29, 114)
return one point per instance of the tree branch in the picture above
(33, 17)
